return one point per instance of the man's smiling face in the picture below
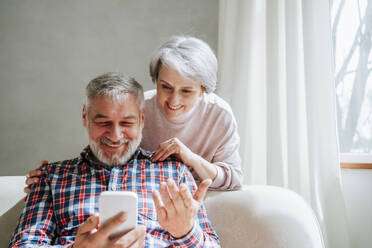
(114, 127)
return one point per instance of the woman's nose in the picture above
(174, 99)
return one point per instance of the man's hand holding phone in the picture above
(177, 208)
(91, 235)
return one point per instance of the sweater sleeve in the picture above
(227, 158)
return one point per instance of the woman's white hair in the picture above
(191, 57)
(115, 86)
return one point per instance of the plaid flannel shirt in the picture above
(67, 194)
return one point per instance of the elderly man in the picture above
(61, 209)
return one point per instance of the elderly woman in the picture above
(185, 119)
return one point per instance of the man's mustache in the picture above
(112, 143)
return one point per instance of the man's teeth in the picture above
(113, 145)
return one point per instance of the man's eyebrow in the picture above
(97, 116)
(130, 117)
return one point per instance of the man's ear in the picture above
(143, 117)
(84, 116)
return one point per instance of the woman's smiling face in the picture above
(175, 94)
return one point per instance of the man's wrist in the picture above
(180, 236)
(194, 235)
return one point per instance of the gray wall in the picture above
(50, 49)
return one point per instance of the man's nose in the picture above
(116, 133)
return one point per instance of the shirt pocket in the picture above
(73, 210)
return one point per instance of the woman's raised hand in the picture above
(33, 177)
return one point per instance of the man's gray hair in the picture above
(115, 86)
(191, 57)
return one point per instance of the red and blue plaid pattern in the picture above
(67, 194)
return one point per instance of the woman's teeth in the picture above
(174, 107)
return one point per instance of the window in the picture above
(352, 44)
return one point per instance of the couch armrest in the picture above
(8, 222)
(263, 217)
(11, 205)
(11, 191)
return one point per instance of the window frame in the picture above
(356, 161)
(359, 12)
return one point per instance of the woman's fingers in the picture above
(158, 153)
(166, 154)
(166, 149)
(27, 190)
(163, 148)
(33, 176)
(33, 173)
(31, 180)
(36, 172)
(44, 162)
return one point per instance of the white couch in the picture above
(254, 217)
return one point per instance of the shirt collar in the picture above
(87, 156)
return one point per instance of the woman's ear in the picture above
(202, 91)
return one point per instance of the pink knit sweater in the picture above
(209, 130)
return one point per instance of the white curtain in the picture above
(276, 71)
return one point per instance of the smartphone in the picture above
(112, 202)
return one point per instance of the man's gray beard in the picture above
(115, 159)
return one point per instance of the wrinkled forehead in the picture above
(118, 104)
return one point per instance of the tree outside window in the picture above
(352, 44)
